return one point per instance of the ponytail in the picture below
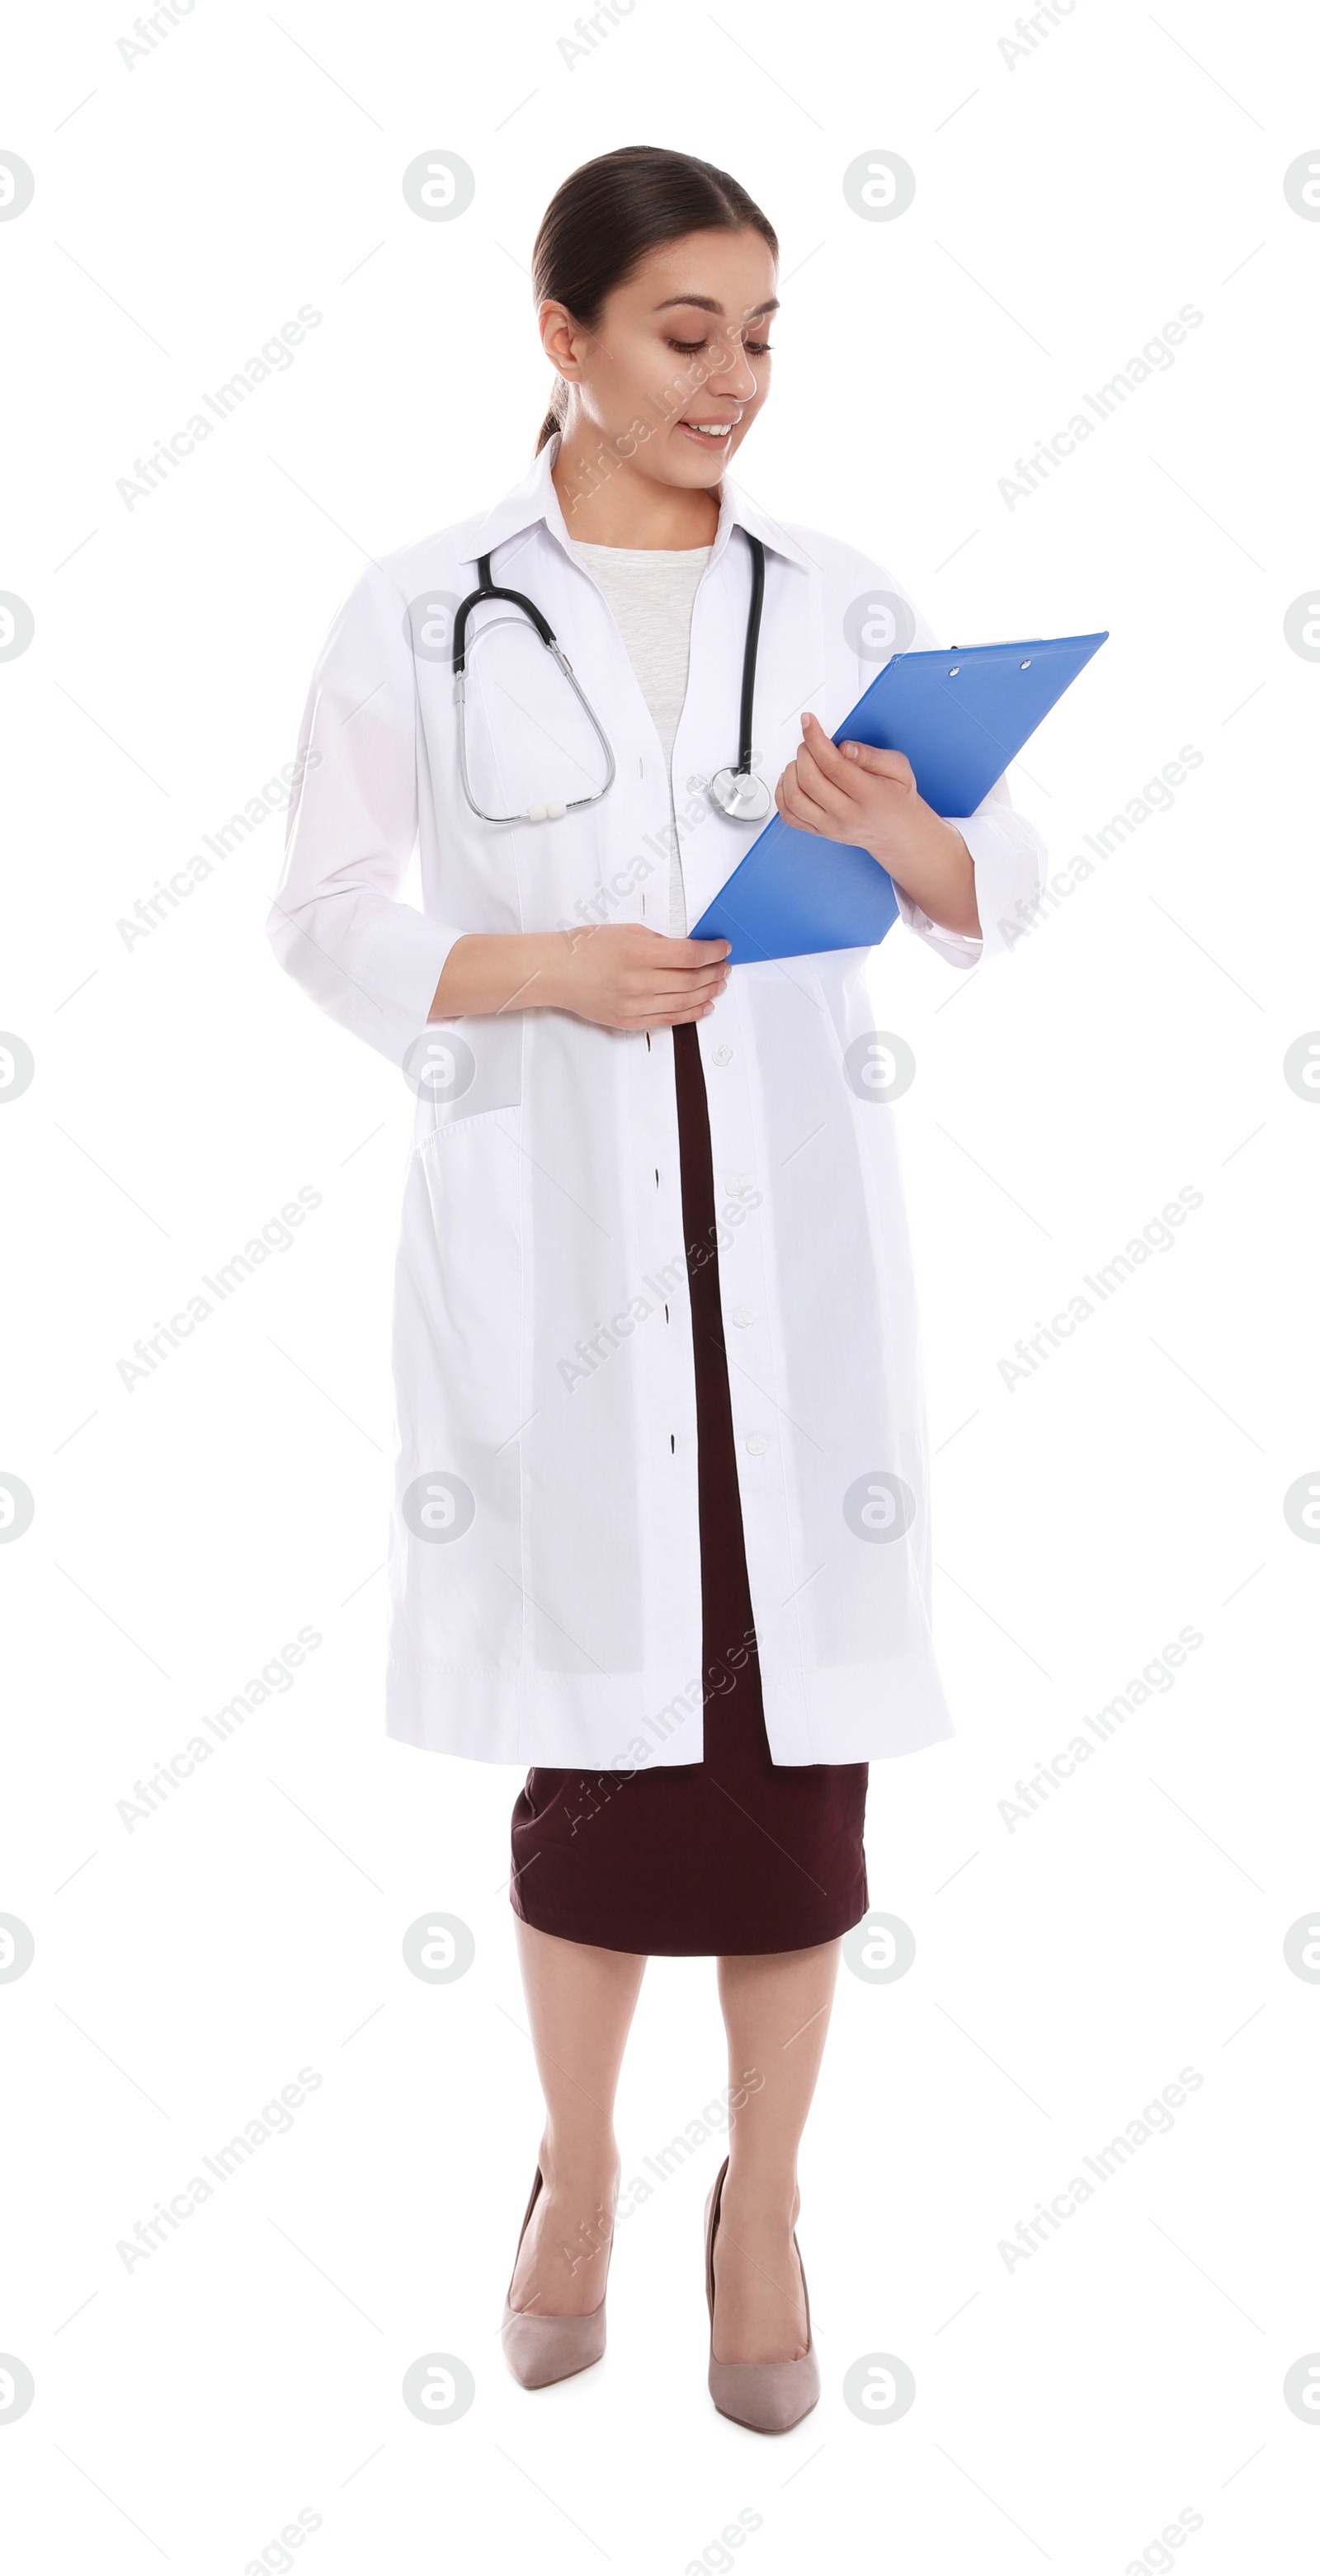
(554, 419)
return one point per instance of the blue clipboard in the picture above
(960, 716)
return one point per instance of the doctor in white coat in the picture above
(546, 1576)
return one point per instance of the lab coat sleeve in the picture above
(336, 924)
(1009, 858)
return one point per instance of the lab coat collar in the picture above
(536, 500)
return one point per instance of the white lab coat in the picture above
(544, 1564)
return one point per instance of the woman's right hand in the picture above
(617, 974)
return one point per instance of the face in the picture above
(679, 366)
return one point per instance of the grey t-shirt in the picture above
(649, 591)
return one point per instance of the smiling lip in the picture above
(711, 432)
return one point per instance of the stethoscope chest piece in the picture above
(741, 795)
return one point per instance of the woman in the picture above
(684, 1574)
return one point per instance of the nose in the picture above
(731, 371)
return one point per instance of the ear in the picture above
(561, 340)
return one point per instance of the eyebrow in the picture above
(707, 304)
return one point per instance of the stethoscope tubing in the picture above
(489, 589)
(751, 646)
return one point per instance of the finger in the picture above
(654, 1019)
(803, 808)
(699, 952)
(836, 771)
(648, 994)
(673, 985)
(826, 754)
(835, 759)
(790, 783)
(800, 821)
(662, 952)
(684, 982)
(878, 764)
(839, 802)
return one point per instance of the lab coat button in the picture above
(757, 1445)
(722, 1055)
(740, 1185)
(744, 1314)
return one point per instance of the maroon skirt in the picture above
(730, 1854)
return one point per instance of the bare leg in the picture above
(776, 2012)
(580, 2003)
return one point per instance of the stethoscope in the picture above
(738, 793)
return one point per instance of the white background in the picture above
(1067, 205)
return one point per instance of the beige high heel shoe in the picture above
(767, 2396)
(540, 2349)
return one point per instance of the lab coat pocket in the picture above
(465, 1069)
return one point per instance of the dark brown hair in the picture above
(605, 218)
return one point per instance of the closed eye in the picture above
(754, 348)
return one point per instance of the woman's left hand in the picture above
(851, 792)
